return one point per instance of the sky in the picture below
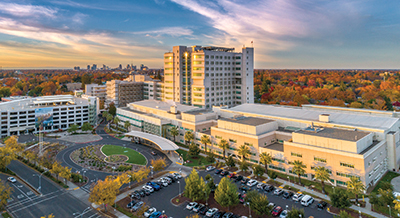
(286, 34)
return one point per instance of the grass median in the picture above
(134, 156)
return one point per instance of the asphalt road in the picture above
(161, 200)
(55, 200)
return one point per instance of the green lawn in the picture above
(6, 215)
(193, 161)
(386, 178)
(134, 156)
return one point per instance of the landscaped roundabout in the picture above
(108, 158)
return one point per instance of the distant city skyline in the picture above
(341, 34)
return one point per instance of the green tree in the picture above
(56, 169)
(244, 151)
(210, 182)
(112, 109)
(243, 166)
(386, 197)
(205, 139)
(194, 149)
(174, 132)
(295, 213)
(322, 174)
(258, 204)
(116, 121)
(226, 193)
(230, 162)
(73, 128)
(5, 194)
(188, 137)
(193, 187)
(210, 157)
(343, 214)
(355, 186)
(374, 200)
(266, 159)
(258, 170)
(109, 117)
(86, 127)
(104, 114)
(127, 124)
(223, 144)
(298, 168)
(340, 198)
(386, 185)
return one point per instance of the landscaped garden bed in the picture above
(191, 161)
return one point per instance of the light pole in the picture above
(288, 179)
(287, 206)
(40, 182)
(248, 204)
(390, 211)
(359, 213)
(179, 184)
(300, 215)
(151, 167)
(77, 213)
(205, 195)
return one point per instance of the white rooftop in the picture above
(32, 103)
(164, 105)
(304, 113)
(163, 143)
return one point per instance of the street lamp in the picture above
(300, 215)
(179, 188)
(359, 213)
(40, 182)
(151, 167)
(205, 195)
(77, 213)
(287, 206)
(248, 204)
(288, 178)
(390, 211)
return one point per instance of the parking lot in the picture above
(161, 200)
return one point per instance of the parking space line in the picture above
(21, 191)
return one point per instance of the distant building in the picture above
(77, 68)
(94, 67)
(96, 90)
(73, 86)
(123, 92)
(88, 67)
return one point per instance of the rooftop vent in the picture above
(173, 109)
(324, 118)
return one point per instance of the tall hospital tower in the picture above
(206, 76)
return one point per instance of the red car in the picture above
(277, 210)
(231, 174)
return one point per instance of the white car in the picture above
(163, 182)
(252, 183)
(166, 179)
(211, 212)
(284, 214)
(148, 188)
(11, 179)
(297, 197)
(177, 175)
(191, 205)
(278, 191)
(210, 168)
(149, 212)
(271, 205)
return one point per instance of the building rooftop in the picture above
(41, 102)
(333, 133)
(164, 105)
(199, 112)
(251, 121)
(275, 146)
(336, 117)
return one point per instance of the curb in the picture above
(175, 204)
(23, 181)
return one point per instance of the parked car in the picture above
(142, 193)
(156, 214)
(307, 200)
(210, 168)
(228, 215)
(162, 182)
(153, 153)
(166, 179)
(271, 205)
(321, 205)
(218, 214)
(197, 207)
(137, 206)
(172, 178)
(159, 184)
(269, 188)
(252, 183)
(261, 185)
(241, 198)
(287, 195)
(135, 195)
(177, 175)
(148, 188)
(191, 205)
(154, 185)
(147, 192)
(218, 171)
(203, 210)
(224, 173)
(211, 212)
(130, 204)
(239, 178)
(278, 191)
(284, 214)
(244, 180)
(276, 211)
(149, 212)
(244, 188)
(11, 179)
(297, 197)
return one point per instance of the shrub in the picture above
(272, 174)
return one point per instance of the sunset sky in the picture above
(286, 33)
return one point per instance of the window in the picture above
(346, 165)
(296, 154)
(232, 140)
(341, 183)
(218, 137)
(345, 175)
(248, 144)
(277, 168)
(323, 160)
(278, 160)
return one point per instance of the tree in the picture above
(343, 214)
(355, 186)
(223, 144)
(258, 204)
(73, 128)
(158, 164)
(244, 151)
(104, 114)
(174, 132)
(210, 182)
(226, 193)
(86, 127)
(322, 174)
(5, 194)
(56, 169)
(266, 159)
(386, 186)
(374, 199)
(340, 198)
(7, 154)
(112, 109)
(298, 168)
(127, 124)
(210, 157)
(230, 162)
(258, 170)
(13, 144)
(194, 149)
(295, 213)
(243, 166)
(109, 117)
(65, 173)
(205, 139)
(116, 121)
(188, 137)
(386, 197)
(193, 188)
(396, 204)
(104, 192)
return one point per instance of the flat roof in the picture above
(31, 103)
(163, 143)
(335, 117)
(274, 146)
(164, 105)
(251, 121)
(333, 133)
(199, 112)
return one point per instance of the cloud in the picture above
(19, 10)
(172, 31)
(79, 17)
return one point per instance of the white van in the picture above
(307, 200)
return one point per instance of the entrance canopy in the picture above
(163, 143)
